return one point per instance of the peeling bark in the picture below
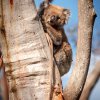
(85, 29)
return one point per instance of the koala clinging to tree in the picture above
(53, 19)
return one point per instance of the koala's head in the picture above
(55, 15)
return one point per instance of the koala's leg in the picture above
(63, 58)
(55, 35)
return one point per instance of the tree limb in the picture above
(85, 29)
(91, 82)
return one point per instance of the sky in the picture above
(73, 6)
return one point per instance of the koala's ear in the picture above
(66, 12)
(46, 4)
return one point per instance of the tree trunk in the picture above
(27, 55)
(85, 29)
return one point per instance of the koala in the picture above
(53, 19)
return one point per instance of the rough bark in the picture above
(91, 82)
(27, 56)
(85, 29)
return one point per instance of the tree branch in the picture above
(90, 82)
(85, 29)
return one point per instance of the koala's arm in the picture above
(55, 35)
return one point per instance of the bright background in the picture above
(71, 31)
